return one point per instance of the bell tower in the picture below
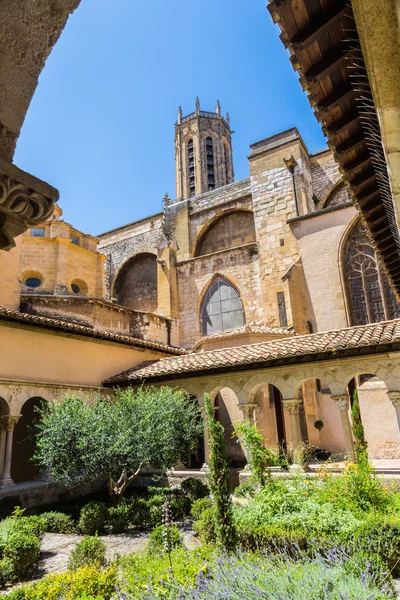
(203, 151)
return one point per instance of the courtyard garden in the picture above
(297, 536)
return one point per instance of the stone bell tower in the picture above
(203, 152)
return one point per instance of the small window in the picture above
(75, 288)
(37, 232)
(33, 282)
(310, 327)
(74, 240)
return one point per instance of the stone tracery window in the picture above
(191, 168)
(370, 296)
(222, 309)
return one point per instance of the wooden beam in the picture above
(357, 163)
(336, 97)
(351, 143)
(329, 63)
(320, 24)
(364, 178)
(365, 197)
(344, 123)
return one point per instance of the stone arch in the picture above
(227, 230)
(4, 407)
(136, 285)
(338, 194)
(269, 413)
(226, 404)
(22, 468)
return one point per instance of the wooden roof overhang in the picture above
(322, 38)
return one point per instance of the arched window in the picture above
(222, 309)
(370, 297)
(191, 168)
(210, 163)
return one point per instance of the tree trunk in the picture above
(117, 489)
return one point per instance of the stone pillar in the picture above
(293, 406)
(206, 438)
(395, 400)
(6, 477)
(343, 403)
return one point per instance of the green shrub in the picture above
(194, 488)
(381, 539)
(138, 513)
(118, 518)
(271, 539)
(84, 583)
(180, 507)
(199, 506)
(206, 526)
(245, 489)
(90, 551)
(58, 522)
(157, 539)
(20, 556)
(93, 518)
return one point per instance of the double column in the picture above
(7, 425)
(342, 401)
(293, 407)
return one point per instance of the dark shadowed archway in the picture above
(22, 467)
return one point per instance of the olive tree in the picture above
(114, 438)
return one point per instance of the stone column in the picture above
(206, 438)
(6, 478)
(293, 406)
(343, 403)
(395, 400)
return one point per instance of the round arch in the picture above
(22, 467)
(136, 283)
(231, 228)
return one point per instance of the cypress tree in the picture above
(219, 479)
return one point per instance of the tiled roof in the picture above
(246, 330)
(306, 348)
(76, 329)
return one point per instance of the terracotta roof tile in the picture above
(330, 344)
(75, 328)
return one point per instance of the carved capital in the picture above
(22, 205)
(342, 401)
(293, 406)
(248, 409)
(394, 398)
(8, 422)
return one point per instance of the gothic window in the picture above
(370, 297)
(191, 168)
(222, 309)
(210, 163)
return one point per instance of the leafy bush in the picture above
(199, 506)
(245, 489)
(205, 525)
(138, 512)
(195, 489)
(90, 551)
(84, 583)
(19, 557)
(381, 539)
(93, 518)
(58, 522)
(118, 519)
(157, 538)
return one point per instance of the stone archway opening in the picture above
(378, 416)
(228, 413)
(270, 417)
(22, 467)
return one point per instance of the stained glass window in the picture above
(370, 297)
(222, 309)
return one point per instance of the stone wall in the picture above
(234, 229)
(136, 283)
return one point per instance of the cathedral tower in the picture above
(203, 152)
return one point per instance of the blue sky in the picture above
(100, 127)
